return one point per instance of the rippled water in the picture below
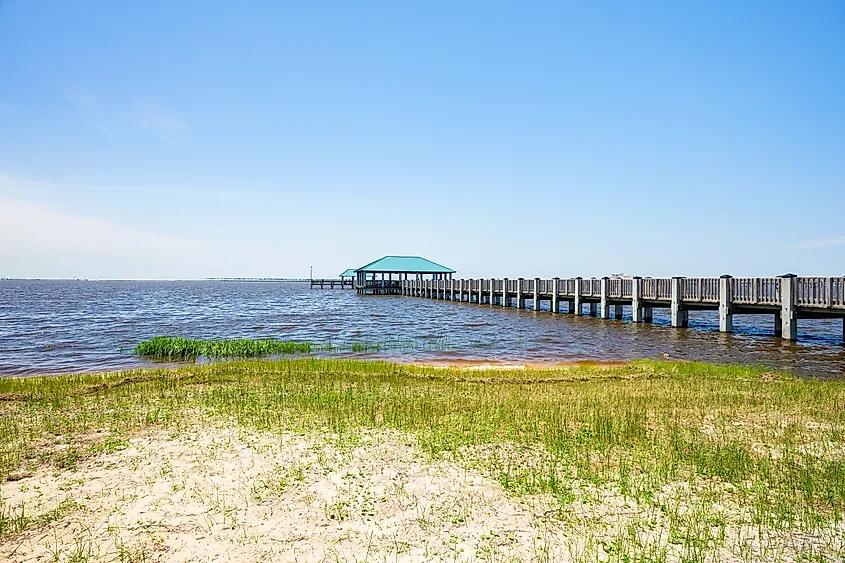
(70, 326)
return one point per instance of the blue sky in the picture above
(196, 139)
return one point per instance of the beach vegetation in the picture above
(715, 458)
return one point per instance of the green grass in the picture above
(771, 444)
(175, 348)
(170, 348)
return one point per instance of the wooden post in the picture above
(788, 310)
(617, 312)
(726, 316)
(636, 308)
(593, 309)
(536, 294)
(648, 314)
(519, 303)
(469, 290)
(579, 309)
(555, 295)
(451, 288)
(605, 305)
(680, 317)
(505, 292)
(479, 291)
(492, 291)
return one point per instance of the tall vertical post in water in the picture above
(605, 305)
(492, 291)
(788, 310)
(480, 283)
(505, 292)
(636, 308)
(555, 295)
(519, 302)
(469, 290)
(536, 294)
(579, 308)
(680, 316)
(726, 316)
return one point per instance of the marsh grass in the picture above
(769, 445)
(168, 348)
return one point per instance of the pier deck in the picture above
(788, 298)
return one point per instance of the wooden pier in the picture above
(332, 283)
(788, 298)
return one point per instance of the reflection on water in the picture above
(68, 326)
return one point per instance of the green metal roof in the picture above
(403, 264)
(350, 273)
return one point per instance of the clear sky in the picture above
(163, 139)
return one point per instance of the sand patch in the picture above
(226, 493)
(232, 495)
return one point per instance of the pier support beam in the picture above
(648, 314)
(605, 305)
(480, 292)
(536, 294)
(617, 312)
(594, 309)
(555, 295)
(726, 316)
(452, 289)
(505, 292)
(520, 302)
(788, 310)
(636, 308)
(492, 291)
(469, 290)
(579, 309)
(778, 325)
(680, 316)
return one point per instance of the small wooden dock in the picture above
(787, 298)
(331, 283)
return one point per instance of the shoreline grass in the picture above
(767, 444)
(168, 348)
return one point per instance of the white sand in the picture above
(229, 495)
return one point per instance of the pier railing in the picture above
(817, 292)
(756, 291)
(821, 292)
(657, 289)
(702, 290)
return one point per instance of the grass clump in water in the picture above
(172, 348)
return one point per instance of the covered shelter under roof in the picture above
(383, 276)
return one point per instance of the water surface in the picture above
(78, 326)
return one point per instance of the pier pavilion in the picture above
(386, 275)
